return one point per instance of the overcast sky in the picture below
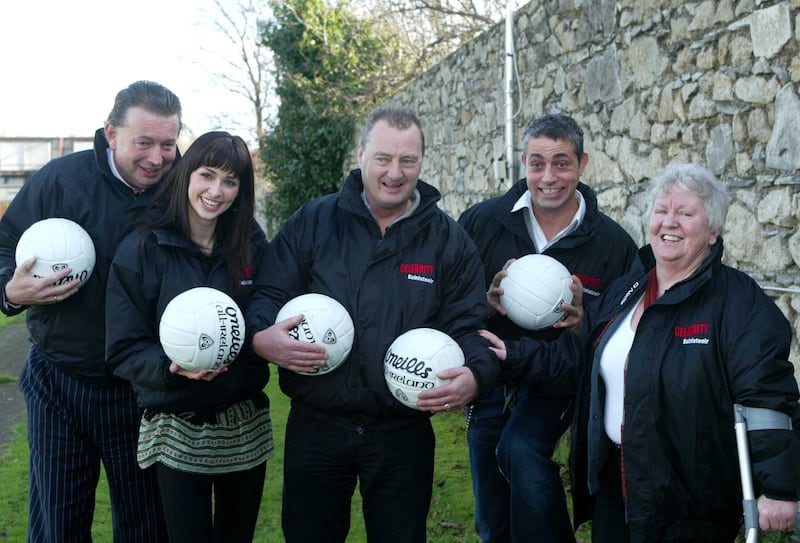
(63, 63)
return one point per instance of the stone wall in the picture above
(651, 82)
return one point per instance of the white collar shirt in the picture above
(540, 241)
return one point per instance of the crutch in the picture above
(755, 418)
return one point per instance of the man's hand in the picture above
(460, 391)
(25, 289)
(494, 292)
(276, 345)
(574, 311)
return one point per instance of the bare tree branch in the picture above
(429, 30)
(249, 71)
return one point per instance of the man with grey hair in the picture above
(79, 415)
(384, 249)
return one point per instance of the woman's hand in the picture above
(779, 515)
(197, 375)
(496, 345)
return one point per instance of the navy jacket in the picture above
(80, 187)
(710, 341)
(598, 252)
(146, 274)
(424, 271)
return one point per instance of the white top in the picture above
(535, 230)
(613, 361)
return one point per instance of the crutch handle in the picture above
(762, 419)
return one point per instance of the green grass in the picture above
(5, 321)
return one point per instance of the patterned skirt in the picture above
(239, 437)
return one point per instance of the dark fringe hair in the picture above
(226, 152)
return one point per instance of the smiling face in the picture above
(144, 147)
(553, 170)
(390, 161)
(212, 191)
(679, 231)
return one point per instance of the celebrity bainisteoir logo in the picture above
(419, 272)
(689, 334)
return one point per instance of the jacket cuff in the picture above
(9, 308)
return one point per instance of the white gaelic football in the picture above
(326, 322)
(415, 358)
(533, 291)
(57, 244)
(202, 329)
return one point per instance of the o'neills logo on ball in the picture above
(82, 275)
(410, 371)
(205, 342)
(303, 332)
(329, 338)
(230, 334)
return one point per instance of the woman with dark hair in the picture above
(207, 434)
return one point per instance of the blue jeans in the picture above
(517, 485)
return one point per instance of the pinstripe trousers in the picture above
(73, 426)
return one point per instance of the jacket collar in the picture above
(101, 153)
(515, 222)
(171, 239)
(680, 291)
(350, 196)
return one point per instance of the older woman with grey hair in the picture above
(666, 353)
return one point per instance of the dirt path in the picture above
(13, 350)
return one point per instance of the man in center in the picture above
(513, 433)
(344, 426)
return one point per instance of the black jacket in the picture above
(146, 274)
(598, 252)
(424, 271)
(80, 187)
(710, 341)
